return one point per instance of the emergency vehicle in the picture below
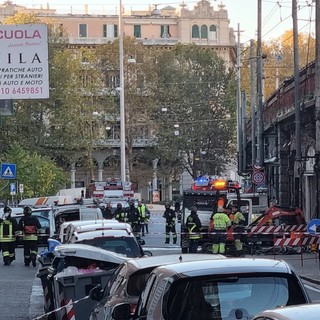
(110, 188)
(207, 194)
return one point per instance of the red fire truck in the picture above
(206, 194)
(110, 188)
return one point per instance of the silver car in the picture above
(304, 311)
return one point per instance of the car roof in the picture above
(80, 223)
(304, 311)
(87, 251)
(103, 233)
(230, 266)
(146, 262)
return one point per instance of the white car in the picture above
(300, 312)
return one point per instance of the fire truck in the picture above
(110, 188)
(207, 194)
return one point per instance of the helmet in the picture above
(194, 209)
(131, 202)
(27, 211)
(167, 205)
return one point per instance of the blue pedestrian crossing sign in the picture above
(8, 171)
(313, 227)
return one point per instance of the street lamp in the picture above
(122, 111)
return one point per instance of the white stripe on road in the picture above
(311, 288)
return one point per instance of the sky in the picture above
(276, 14)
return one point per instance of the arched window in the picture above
(213, 32)
(195, 31)
(204, 32)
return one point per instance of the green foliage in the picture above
(198, 92)
(40, 175)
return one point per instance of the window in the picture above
(195, 31)
(110, 30)
(82, 30)
(212, 32)
(204, 32)
(164, 32)
(137, 31)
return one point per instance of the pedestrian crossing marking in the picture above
(8, 173)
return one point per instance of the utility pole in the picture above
(317, 108)
(260, 151)
(253, 103)
(244, 133)
(297, 99)
(239, 126)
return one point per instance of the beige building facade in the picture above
(203, 25)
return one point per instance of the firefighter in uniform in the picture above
(238, 229)
(133, 217)
(194, 226)
(29, 226)
(143, 213)
(120, 213)
(8, 231)
(170, 217)
(221, 223)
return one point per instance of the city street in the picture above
(21, 291)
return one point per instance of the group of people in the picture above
(221, 221)
(138, 217)
(27, 228)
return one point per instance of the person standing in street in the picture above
(194, 227)
(30, 226)
(221, 223)
(170, 217)
(133, 217)
(107, 212)
(143, 212)
(120, 213)
(8, 230)
(237, 223)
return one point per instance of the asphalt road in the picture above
(21, 292)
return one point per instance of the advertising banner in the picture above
(24, 61)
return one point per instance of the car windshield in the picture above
(230, 298)
(127, 246)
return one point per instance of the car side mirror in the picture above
(96, 293)
(121, 311)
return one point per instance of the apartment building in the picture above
(203, 25)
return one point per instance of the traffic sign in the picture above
(8, 171)
(13, 190)
(21, 188)
(313, 227)
(258, 177)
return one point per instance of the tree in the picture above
(139, 81)
(39, 175)
(198, 91)
(278, 60)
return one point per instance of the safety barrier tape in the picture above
(65, 307)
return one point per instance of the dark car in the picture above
(129, 279)
(226, 289)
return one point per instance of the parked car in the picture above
(300, 312)
(67, 229)
(228, 289)
(129, 279)
(114, 239)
